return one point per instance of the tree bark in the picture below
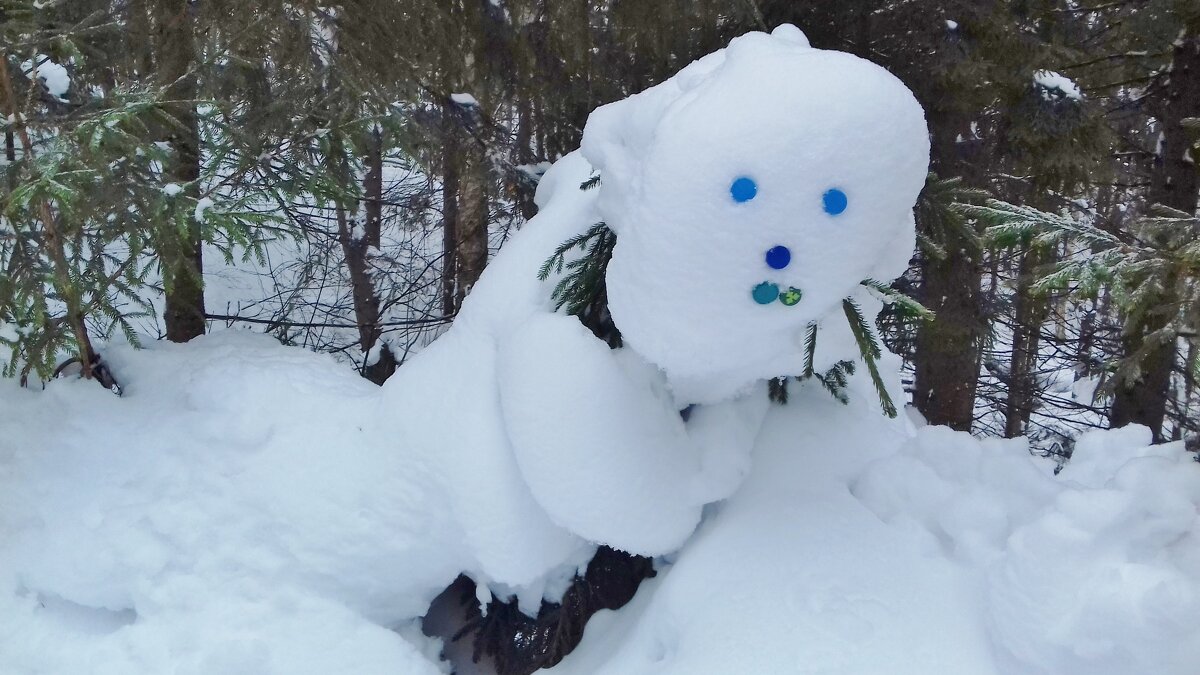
(947, 355)
(1029, 316)
(366, 295)
(464, 203)
(181, 253)
(473, 218)
(1143, 398)
(450, 186)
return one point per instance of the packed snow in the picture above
(253, 508)
(860, 546)
(835, 193)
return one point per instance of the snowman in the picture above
(750, 196)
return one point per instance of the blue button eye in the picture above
(836, 202)
(743, 190)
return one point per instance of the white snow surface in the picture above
(251, 508)
(861, 546)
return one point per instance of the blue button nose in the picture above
(779, 257)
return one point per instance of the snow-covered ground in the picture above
(231, 515)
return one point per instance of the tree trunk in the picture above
(947, 353)
(450, 186)
(464, 204)
(1143, 398)
(378, 368)
(472, 219)
(181, 253)
(1030, 314)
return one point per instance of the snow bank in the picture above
(1096, 570)
(794, 575)
(228, 515)
(858, 545)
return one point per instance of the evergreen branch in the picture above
(584, 276)
(868, 348)
(906, 306)
(810, 349)
(836, 379)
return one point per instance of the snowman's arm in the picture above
(603, 452)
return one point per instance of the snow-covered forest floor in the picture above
(234, 513)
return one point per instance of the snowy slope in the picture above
(856, 547)
(795, 575)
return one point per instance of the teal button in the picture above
(765, 293)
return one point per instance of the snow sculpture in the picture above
(750, 194)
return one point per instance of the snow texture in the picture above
(798, 123)
(859, 545)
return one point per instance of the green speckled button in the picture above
(791, 296)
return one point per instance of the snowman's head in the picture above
(750, 194)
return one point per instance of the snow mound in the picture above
(794, 575)
(768, 170)
(1091, 571)
(228, 515)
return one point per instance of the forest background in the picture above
(338, 174)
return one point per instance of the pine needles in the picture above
(869, 350)
(584, 278)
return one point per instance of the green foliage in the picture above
(870, 352)
(906, 307)
(584, 274)
(1162, 261)
(943, 227)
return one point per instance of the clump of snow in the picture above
(1050, 81)
(202, 206)
(789, 124)
(172, 189)
(466, 100)
(53, 75)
